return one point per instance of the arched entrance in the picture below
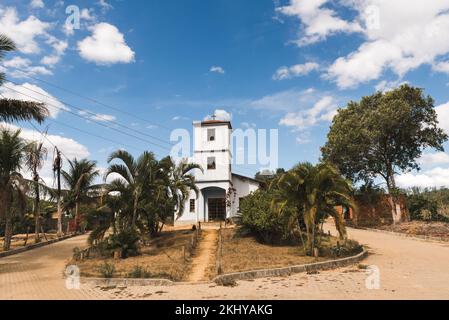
(214, 203)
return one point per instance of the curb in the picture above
(286, 271)
(245, 275)
(34, 246)
(122, 282)
(406, 235)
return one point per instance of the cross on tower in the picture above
(214, 117)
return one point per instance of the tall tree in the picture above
(135, 173)
(35, 157)
(12, 109)
(80, 180)
(180, 181)
(13, 186)
(382, 135)
(314, 191)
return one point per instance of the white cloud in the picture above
(436, 177)
(87, 14)
(97, 116)
(220, 114)
(37, 4)
(295, 71)
(69, 147)
(408, 34)
(441, 67)
(105, 6)
(322, 111)
(319, 21)
(19, 67)
(288, 100)
(434, 158)
(217, 69)
(17, 62)
(177, 118)
(31, 92)
(24, 33)
(105, 46)
(443, 116)
(399, 36)
(59, 48)
(385, 85)
(303, 138)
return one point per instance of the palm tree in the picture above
(35, 156)
(13, 186)
(315, 191)
(80, 181)
(181, 181)
(16, 110)
(136, 174)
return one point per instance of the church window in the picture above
(210, 134)
(211, 163)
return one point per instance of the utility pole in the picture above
(57, 169)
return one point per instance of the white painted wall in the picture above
(220, 149)
(244, 187)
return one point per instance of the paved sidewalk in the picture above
(409, 269)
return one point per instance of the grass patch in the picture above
(161, 257)
(18, 240)
(244, 253)
(422, 228)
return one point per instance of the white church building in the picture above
(220, 189)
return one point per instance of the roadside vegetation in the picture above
(164, 257)
(244, 252)
(293, 209)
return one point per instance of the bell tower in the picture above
(212, 149)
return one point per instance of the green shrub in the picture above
(259, 218)
(348, 248)
(76, 253)
(429, 205)
(139, 272)
(107, 270)
(126, 241)
(103, 249)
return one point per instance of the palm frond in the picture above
(19, 110)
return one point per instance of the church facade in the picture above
(220, 190)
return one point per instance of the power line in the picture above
(89, 119)
(48, 139)
(93, 100)
(98, 136)
(92, 114)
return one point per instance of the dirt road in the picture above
(409, 269)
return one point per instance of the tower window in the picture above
(192, 205)
(211, 163)
(210, 134)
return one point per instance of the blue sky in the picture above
(285, 65)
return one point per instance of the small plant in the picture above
(76, 253)
(107, 270)
(139, 272)
(126, 241)
(226, 282)
(362, 266)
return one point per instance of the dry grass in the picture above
(161, 258)
(18, 240)
(245, 253)
(433, 229)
